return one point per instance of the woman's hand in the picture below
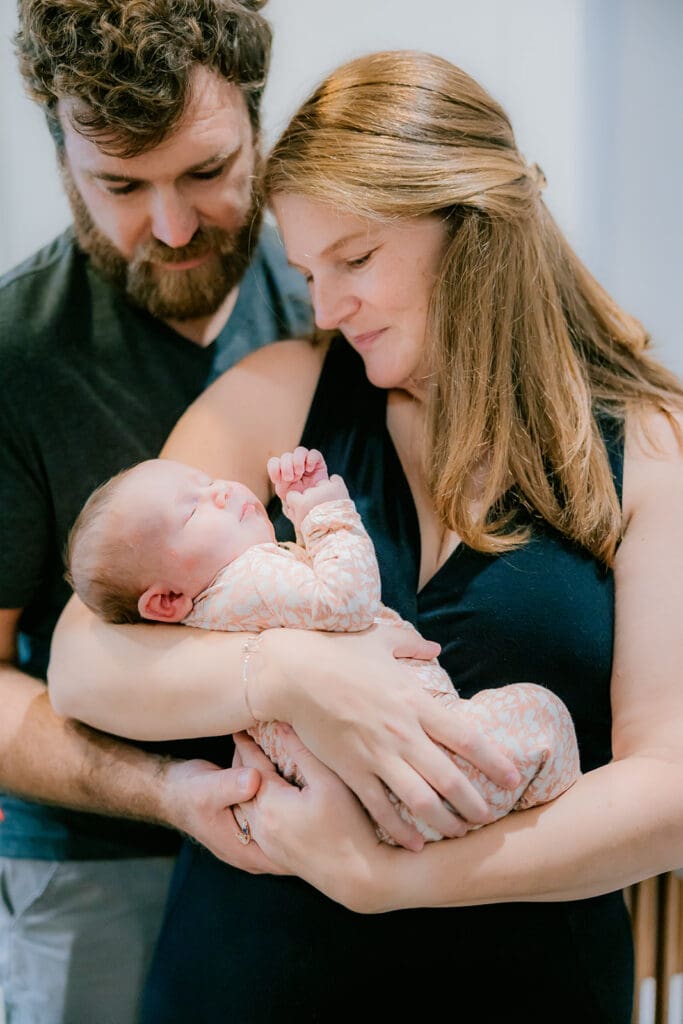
(320, 832)
(362, 713)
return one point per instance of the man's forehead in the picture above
(216, 121)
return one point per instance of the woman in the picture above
(516, 457)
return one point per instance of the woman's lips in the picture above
(367, 339)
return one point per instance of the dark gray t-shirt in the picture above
(89, 385)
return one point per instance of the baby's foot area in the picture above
(269, 736)
(534, 728)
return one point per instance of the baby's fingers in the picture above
(287, 467)
(299, 459)
(274, 470)
(315, 461)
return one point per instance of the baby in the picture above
(163, 541)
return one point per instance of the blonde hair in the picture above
(525, 347)
(102, 569)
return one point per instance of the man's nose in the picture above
(174, 220)
(332, 306)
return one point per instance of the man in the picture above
(106, 335)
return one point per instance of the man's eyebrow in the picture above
(228, 156)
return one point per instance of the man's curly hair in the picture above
(128, 63)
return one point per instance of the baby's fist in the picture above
(296, 471)
(300, 503)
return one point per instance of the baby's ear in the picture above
(164, 605)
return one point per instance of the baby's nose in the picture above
(221, 493)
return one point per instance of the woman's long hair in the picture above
(524, 347)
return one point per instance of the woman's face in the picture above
(370, 280)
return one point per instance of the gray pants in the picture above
(76, 937)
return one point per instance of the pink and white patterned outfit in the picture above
(331, 582)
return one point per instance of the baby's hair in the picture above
(97, 566)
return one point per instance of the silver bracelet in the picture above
(250, 645)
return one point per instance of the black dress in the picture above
(248, 949)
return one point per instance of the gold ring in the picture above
(244, 835)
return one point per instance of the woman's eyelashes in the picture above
(349, 264)
(360, 261)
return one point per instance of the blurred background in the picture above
(594, 89)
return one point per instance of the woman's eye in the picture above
(359, 261)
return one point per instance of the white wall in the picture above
(593, 87)
(632, 215)
(32, 207)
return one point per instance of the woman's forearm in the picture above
(147, 682)
(614, 827)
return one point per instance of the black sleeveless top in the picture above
(261, 948)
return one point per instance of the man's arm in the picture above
(55, 760)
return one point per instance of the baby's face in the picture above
(194, 525)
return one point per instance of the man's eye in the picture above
(122, 190)
(215, 172)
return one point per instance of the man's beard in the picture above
(170, 294)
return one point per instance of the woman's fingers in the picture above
(385, 813)
(444, 725)
(407, 643)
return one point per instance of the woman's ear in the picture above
(163, 605)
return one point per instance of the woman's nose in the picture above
(332, 307)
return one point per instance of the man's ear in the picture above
(164, 605)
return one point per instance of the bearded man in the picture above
(106, 336)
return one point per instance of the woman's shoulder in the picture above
(653, 460)
(283, 367)
(255, 409)
(287, 369)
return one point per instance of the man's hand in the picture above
(200, 799)
(301, 482)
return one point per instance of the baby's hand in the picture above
(301, 482)
(296, 471)
(299, 504)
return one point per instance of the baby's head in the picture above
(149, 540)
